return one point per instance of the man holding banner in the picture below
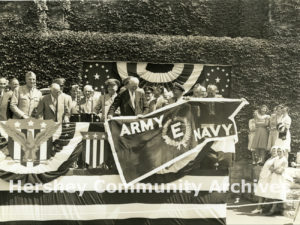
(131, 101)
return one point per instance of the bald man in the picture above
(25, 98)
(54, 106)
(131, 101)
(5, 97)
(89, 104)
(13, 84)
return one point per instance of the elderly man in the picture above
(54, 106)
(61, 82)
(131, 101)
(26, 98)
(13, 84)
(89, 104)
(76, 95)
(5, 97)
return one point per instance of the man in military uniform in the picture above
(25, 99)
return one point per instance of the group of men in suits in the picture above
(26, 101)
(22, 102)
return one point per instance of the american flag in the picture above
(95, 73)
(94, 151)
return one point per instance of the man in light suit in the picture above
(61, 82)
(5, 97)
(26, 98)
(131, 101)
(89, 104)
(54, 106)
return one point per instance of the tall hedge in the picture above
(232, 18)
(264, 72)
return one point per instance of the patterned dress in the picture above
(260, 140)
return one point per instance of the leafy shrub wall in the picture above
(264, 72)
(232, 18)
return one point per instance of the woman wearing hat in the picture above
(107, 99)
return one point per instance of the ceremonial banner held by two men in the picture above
(97, 72)
(146, 145)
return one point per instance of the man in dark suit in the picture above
(131, 101)
(54, 106)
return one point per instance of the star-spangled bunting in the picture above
(95, 73)
(219, 76)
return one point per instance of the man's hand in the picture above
(25, 116)
(139, 116)
(109, 117)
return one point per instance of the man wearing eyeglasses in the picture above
(53, 106)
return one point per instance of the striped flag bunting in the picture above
(85, 197)
(30, 128)
(94, 148)
(97, 72)
(185, 191)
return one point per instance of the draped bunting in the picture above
(52, 193)
(99, 204)
(186, 74)
(96, 72)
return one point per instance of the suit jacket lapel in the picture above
(137, 98)
(51, 104)
(60, 103)
(129, 101)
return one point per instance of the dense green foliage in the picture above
(231, 18)
(264, 72)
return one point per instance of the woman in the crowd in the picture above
(159, 100)
(199, 91)
(273, 132)
(284, 124)
(251, 134)
(278, 183)
(106, 100)
(264, 180)
(260, 140)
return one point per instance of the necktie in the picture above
(56, 108)
(132, 96)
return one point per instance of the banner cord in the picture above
(263, 203)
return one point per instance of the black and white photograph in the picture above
(150, 112)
